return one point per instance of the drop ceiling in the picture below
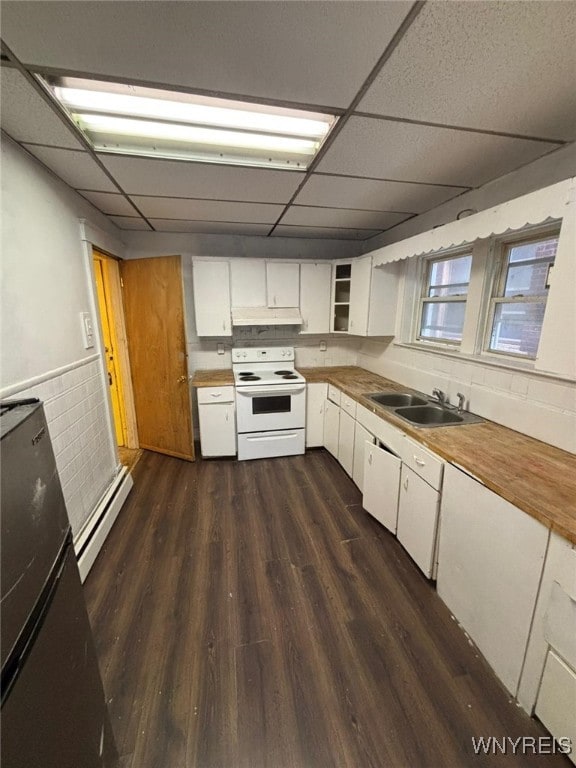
(434, 99)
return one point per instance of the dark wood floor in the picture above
(251, 615)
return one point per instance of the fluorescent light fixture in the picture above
(145, 121)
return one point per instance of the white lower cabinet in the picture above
(346, 441)
(361, 438)
(418, 520)
(490, 561)
(556, 705)
(331, 427)
(315, 404)
(217, 416)
(381, 485)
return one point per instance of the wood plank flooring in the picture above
(252, 615)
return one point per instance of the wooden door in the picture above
(107, 325)
(157, 343)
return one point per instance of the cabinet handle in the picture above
(223, 325)
(215, 394)
(406, 484)
(419, 462)
(226, 415)
(370, 458)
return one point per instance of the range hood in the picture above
(266, 316)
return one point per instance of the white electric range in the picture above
(270, 402)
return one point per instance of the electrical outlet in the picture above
(322, 346)
(220, 349)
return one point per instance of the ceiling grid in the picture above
(415, 128)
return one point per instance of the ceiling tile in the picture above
(210, 227)
(27, 117)
(110, 203)
(129, 222)
(206, 210)
(406, 152)
(327, 233)
(77, 169)
(284, 51)
(373, 195)
(340, 217)
(504, 66)
(143, 176)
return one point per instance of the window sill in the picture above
(519, 366)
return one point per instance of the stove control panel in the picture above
(262, 354)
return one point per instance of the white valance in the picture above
(534, 208)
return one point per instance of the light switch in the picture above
(87, 330)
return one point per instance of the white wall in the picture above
(45, 287)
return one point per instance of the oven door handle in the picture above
(277, 389)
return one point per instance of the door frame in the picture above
(113, 286)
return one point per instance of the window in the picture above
(519, 300)
(443, 300)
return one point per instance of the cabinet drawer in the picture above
(334, 394)
(348, 404)
(215, 394)
(422, 461)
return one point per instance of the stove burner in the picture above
(290, 376)
(282, 373)
(250, 378)
(246, 373)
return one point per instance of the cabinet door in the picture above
(381, 485)
(217, 429)
(331, 427)
(346, 441)
(212, 298)
(418, 519)
(315, 297)
(248, 281)
(556, 705)
(360, 296)
(315, 398)
(490, 561)
(283, 284)
(361, 438)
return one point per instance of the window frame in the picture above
(498, 285)
(423, 298)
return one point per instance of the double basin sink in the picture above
(422, 412)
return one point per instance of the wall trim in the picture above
(91, 538)
(13, 389)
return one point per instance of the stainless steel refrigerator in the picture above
(53, 707)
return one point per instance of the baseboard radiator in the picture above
(93, 535)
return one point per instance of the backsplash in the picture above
(542, 407)
(77, 422)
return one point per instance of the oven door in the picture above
(265, 408)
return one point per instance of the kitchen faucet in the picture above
(461, 399)
(440, 395)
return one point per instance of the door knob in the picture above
(182, 379)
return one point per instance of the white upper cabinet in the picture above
(373, 298)
(248, 280)
(359, 296)
(364, 298)
(315, 297)
(212, 298)
(283, 284)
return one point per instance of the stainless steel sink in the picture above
(429, 414)
(420, 411)
(397, 399)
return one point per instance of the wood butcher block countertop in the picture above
(532, 475)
